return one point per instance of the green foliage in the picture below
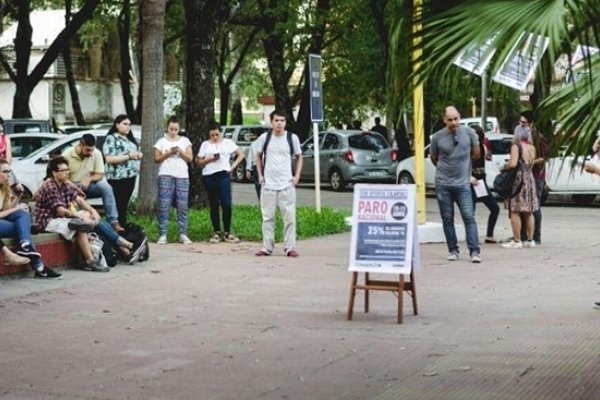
(450, 27)
(247, 223)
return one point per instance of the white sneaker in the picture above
(513, 245)
(184, 239)
(475, 258)
(529, 243)
(162, 239)
(453, 256)
(216, 238)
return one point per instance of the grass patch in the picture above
(247, 223)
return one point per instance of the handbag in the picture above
(504, 181)
(96, 245)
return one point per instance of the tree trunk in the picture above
(152, 17)
(237, 113)
(25, 81)
(124, 56)
(201, 24)
(273, 46)
(66, 54)
(225, 92)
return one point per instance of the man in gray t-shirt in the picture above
(451, 151)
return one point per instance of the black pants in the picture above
(122, 188)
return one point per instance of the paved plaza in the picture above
(214, 322)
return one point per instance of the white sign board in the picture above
(475, 58)
(518, 68)
(384, 235)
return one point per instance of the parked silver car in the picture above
(350, 156)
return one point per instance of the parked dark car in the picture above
(27, 125)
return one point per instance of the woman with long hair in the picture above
(15, 222)
(173, 153)
(122, 153)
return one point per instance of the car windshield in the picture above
(368, 141)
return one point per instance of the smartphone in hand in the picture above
(216, 156)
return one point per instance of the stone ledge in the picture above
(55, 251)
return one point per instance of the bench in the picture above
(55, 251)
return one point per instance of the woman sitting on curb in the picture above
(15, 221)
(60, 208)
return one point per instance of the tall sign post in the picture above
(315, 72)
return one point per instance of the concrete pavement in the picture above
(214, 322)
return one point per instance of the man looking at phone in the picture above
(87, 172)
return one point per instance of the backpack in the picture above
(504, 181)
(135, 234)
(290, 143)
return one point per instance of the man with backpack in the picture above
(278, 165)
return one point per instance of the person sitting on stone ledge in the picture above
(15, 221)
(60, 208)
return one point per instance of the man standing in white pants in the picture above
(278, 165)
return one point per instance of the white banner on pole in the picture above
(476, 58)
(384, 235)
(518, 68)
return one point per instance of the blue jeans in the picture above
(461, 195)
(104, 190)
(107, 231)
(18, 225)
(218, 188)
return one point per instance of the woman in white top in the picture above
(214, 156)
(172, 152)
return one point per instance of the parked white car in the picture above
(23, 144)
(563, 178)
(31, 170)
(492, 125)
(500, 146)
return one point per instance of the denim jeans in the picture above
(461, 195)
(107, 232)
(537, 214)
(18, 225)
(104, 190)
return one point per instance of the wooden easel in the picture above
(391, 286)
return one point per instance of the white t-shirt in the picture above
(174, 166)
(225, 148)
(278, 162)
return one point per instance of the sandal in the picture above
(216, 238)
(230, 238)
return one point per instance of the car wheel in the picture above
(583, 199)
(240, 173)
(336, 180)
(405, 178)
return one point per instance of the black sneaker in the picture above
(27, 250)
(597, 305)
(78, 225)
(137, 251)
(47, 273)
